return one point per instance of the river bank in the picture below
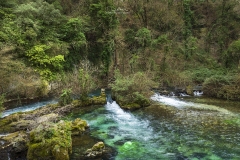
(18, 128)
(170, 128)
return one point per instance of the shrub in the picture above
(133, 88)
(65, 97)
(2, 99)
(222, 86)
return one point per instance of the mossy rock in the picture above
(97, 150)
(5, 123)
(22, 125)
(98, 146)
(130, 106)
(50, 141)
(47, 118)
(100, 100)
(96, 100)
(17, 140)
(79, 126)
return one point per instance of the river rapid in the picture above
(175, 128)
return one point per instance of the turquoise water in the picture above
(172, 129)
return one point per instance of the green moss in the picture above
(76, 103)
(50, 141)
(131, 150)
(96, 100)
(131, 106)
(5, 123)
(79, 126)
(100, 100)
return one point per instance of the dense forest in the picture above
(56, 46)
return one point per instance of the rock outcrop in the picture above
(50, 141)
(97, 150)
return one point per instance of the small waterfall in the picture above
(198, 93)
(129, 125)
(176, 102)
(28, 107)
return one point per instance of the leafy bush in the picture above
(232, 90)
(65, 97)
(2, 99)
(225, 86)
(133, 88)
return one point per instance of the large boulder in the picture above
(50, 141)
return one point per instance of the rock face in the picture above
(50, 141)
(97, 150)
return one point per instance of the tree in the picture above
(2, 99)
(104, 22)
(38, 22)
(232, 55)
(73, 33)
(48, 66)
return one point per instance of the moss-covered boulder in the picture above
(130, 106)
(5, 123)
(16, 142)
(79, 126)
(97, 150)
(47, 118)
(23, 125)
(50, 141)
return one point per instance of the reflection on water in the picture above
(173, 130)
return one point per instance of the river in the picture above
(26, 108)
(180, 128)
(174, 128)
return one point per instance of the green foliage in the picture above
(2, 99)
(213, 85)
(105, 21)
(133, 88)
(86, 83)
(232, 55)
(143, 37)
(103, 12)
(50, 141)
(188, 18)
(46, 65)
(199, 75)
(38, 22)
(190, 40)
(73, 33)
(66, 97)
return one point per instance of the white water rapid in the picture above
(178, 103)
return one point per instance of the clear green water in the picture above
(173, 129)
